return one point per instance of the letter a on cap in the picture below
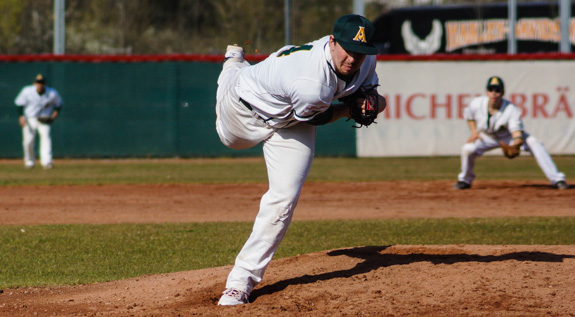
(495, 81)
(360, 36)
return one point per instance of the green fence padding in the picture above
(135, 109)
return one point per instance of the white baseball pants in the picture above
(288, 154)
(471, 151)
(29, 131)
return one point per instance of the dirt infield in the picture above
(464, 280)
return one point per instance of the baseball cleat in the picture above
(461, 185)
(561, 185)
(234, 51)
(232, 296)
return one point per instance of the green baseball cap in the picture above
(40, 79)
(355, 33)
(495, 82)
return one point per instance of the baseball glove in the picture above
(46, 120)
(510, 151)
(355, 102)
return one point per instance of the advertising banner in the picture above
(426, 99)
(470, 29)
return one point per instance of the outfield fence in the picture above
(163, 106)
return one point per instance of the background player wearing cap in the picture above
(38, 106)
(279, 102)
(492, 119)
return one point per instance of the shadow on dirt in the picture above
(373, 259)
(544, 186)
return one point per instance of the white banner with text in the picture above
(424, 115)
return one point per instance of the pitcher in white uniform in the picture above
(492, 119)
(38, 106)
(279, 102)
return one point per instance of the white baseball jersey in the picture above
(501, 124)
(297, 82)
(36, 105)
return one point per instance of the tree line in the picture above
(164, 27)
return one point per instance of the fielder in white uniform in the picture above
(492, 119)
(38, 106)
(279, 102)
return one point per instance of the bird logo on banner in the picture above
(415, 45)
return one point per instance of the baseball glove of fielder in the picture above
(46, 120)
(510, 151)
(355, 102)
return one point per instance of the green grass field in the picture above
(80, 172)
(41, 255)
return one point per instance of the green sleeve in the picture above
(322, 118)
